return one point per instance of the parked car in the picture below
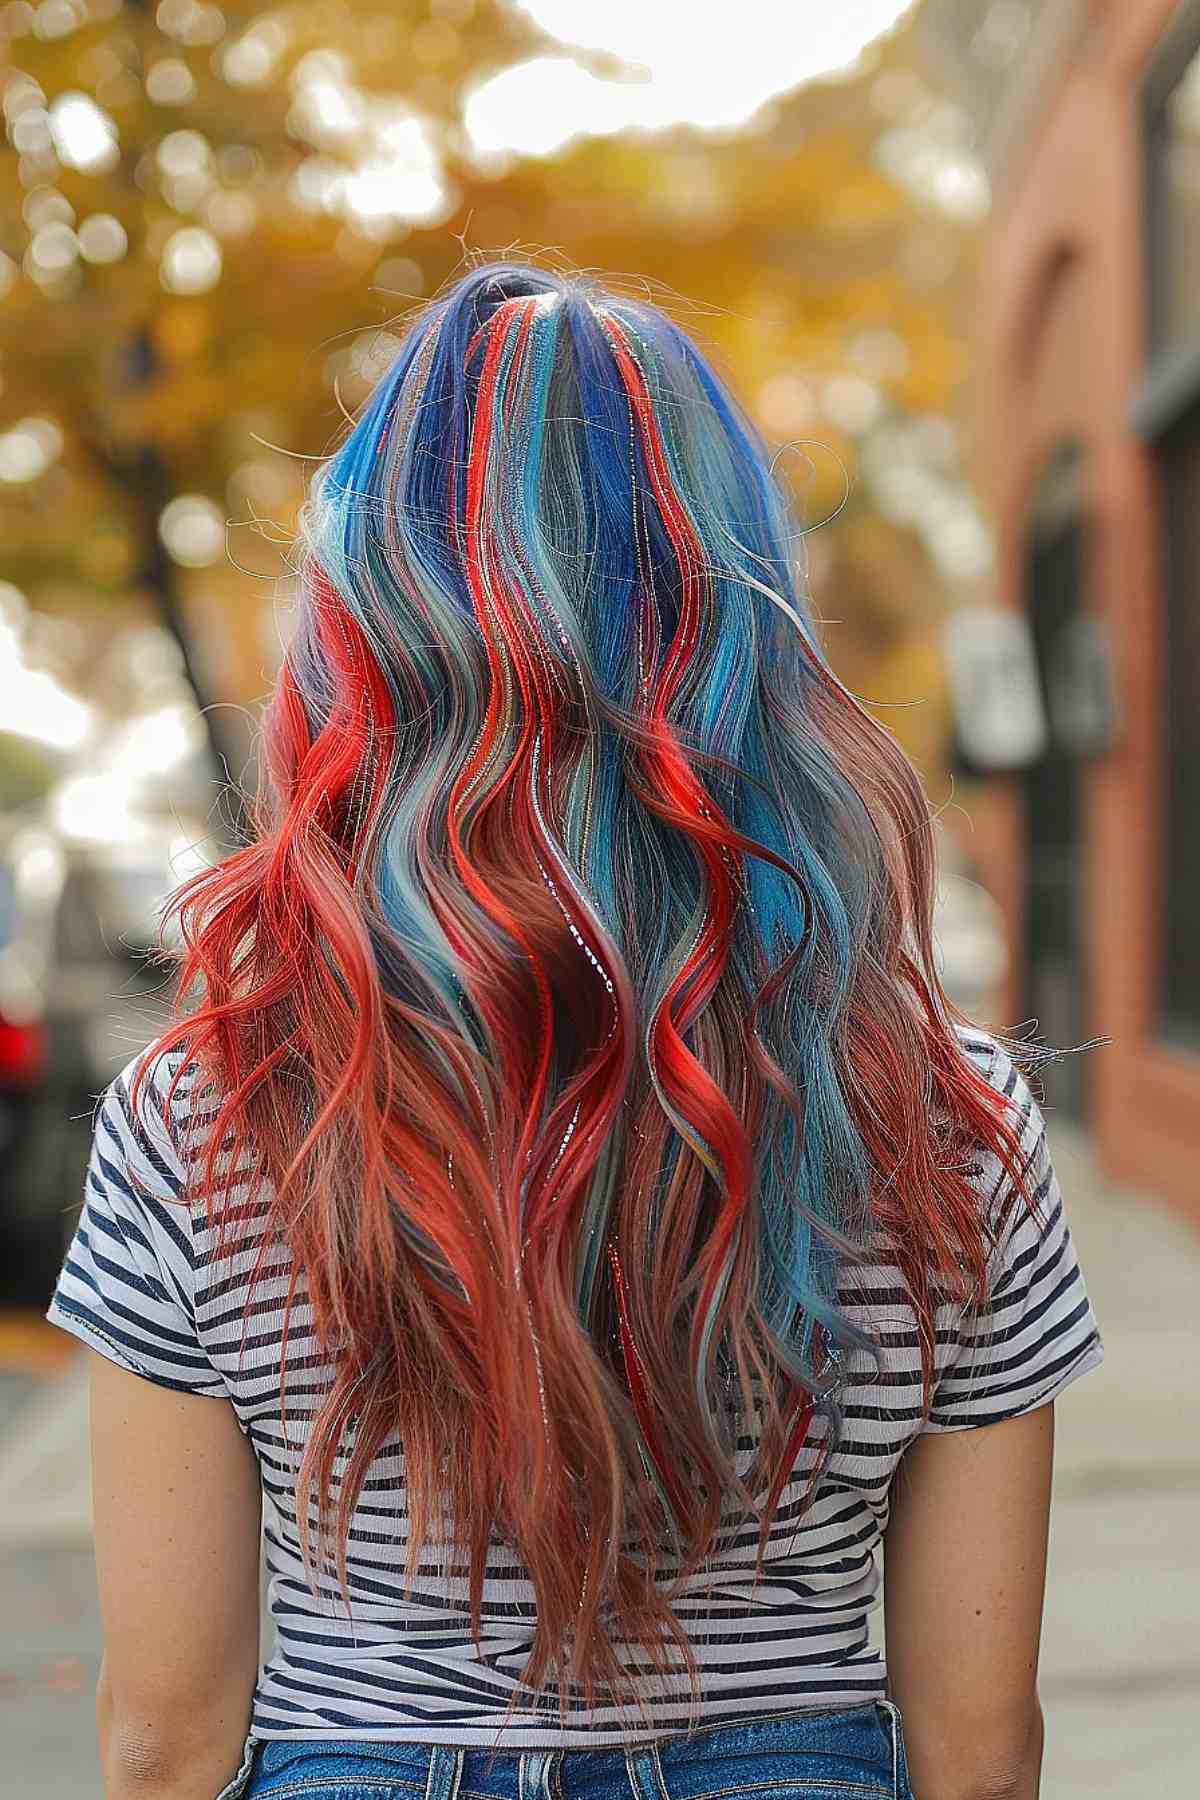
(30, 881)
(80, 993)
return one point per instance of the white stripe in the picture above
(141, 1285)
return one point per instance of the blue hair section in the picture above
(588, 549)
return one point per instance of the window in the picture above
(1168, 411)
(1181, 694)
(1175, 211)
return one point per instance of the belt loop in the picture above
(898, 1760)
(645, 1772)
(533, 1774)
(445, 1773)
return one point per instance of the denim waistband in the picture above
(853, 1751)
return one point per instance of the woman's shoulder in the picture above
(152, 1108)
(997, 1060)
(1000, 1063)
(161, 1111)
(1020, 1201)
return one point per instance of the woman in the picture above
(566, 1199)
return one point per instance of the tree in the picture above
(210, 216)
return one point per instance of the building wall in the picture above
(1063, 330)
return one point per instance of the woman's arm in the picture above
(177, 1508)
(964, 1578)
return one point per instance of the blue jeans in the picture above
(844, 1753)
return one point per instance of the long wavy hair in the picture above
(576, 999)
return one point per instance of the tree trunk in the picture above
(151, 490)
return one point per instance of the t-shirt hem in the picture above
(534, 1737)
(63, 1315)
(1090, 1356)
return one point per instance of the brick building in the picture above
(1088, 114)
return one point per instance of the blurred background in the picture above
(946, 253)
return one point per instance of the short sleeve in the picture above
(1036, 1332)
(126, 1287)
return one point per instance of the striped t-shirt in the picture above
(141, 1286)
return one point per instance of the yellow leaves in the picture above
(182, 330)
(864, 203)
(176, 411)
(909, 693)
(876, 586)
(106, 557)
(778, 247)
(938, 367)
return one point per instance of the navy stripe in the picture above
(142, 1285)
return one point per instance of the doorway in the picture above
(1056, 998)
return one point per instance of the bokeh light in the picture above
(706, 74)
(191, 261)
(192, 530)
(84, 135)
(28, 448)
(36, 705)
(102, 239)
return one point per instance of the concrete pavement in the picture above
(1121, 1648)
(1121, 1657)
(50, 1636)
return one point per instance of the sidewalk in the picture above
(1121, 1657)
(50, 1635)
(1121, 1652)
